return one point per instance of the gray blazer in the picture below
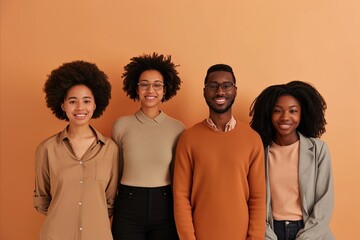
(316, 191)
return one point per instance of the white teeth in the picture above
(284, 126)
(150, 97)
(80, 115)
(219, 101)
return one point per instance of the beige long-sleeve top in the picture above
(76, 195)
(146, 148)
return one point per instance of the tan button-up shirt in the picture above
(76, 195)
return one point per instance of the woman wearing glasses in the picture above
(147, 141)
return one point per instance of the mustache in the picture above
(220, 96)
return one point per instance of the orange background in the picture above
(266, 42)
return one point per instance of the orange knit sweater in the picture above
(219, 184)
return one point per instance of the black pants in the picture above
(287, 230)
(144, 214)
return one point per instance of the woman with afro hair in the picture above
(76, 170)
(147, 142)
(290, 120)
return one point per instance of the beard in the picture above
(220, 110)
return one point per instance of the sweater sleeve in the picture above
(183, 173)
(116, 136)
(256, 202)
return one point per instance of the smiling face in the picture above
(150, 89)
(79, 105)
(285, 119)
(218, 99)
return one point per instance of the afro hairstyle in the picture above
(154, 61)
(74, 73)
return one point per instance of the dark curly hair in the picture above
(76, 73)
(312, 121)
(154, 61)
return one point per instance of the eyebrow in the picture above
(219, 82)
(286, 106)
(86, 97)
(145, 80)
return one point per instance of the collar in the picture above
(145, 119)
(99, 137)
(230, 125)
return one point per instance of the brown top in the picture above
(219, 184)
(76, 195)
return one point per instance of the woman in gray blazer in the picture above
(300, 197)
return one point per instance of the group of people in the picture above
(156, 180)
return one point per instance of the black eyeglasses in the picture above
(146, 85)
(225, 86)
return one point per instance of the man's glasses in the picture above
(225, 86)
(146, 85)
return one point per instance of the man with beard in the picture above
(219, 178)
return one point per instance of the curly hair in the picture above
(313, 106)
(161, 63)
(76, 73)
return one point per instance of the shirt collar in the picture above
(145, 119)
(99, 137)
(230, 125)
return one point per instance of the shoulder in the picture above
(110, 142)
(198, 128)
(314, 143)
(122, 123)
(47, 146)
(104, 139)
(124, 119)
(111, 145)
(318, 142)
(318, 148)
(246, 131)
(174, 122)
(245, 128)
(50, 141)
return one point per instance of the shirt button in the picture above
(287, 223)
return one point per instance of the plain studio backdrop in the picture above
(266, 42)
